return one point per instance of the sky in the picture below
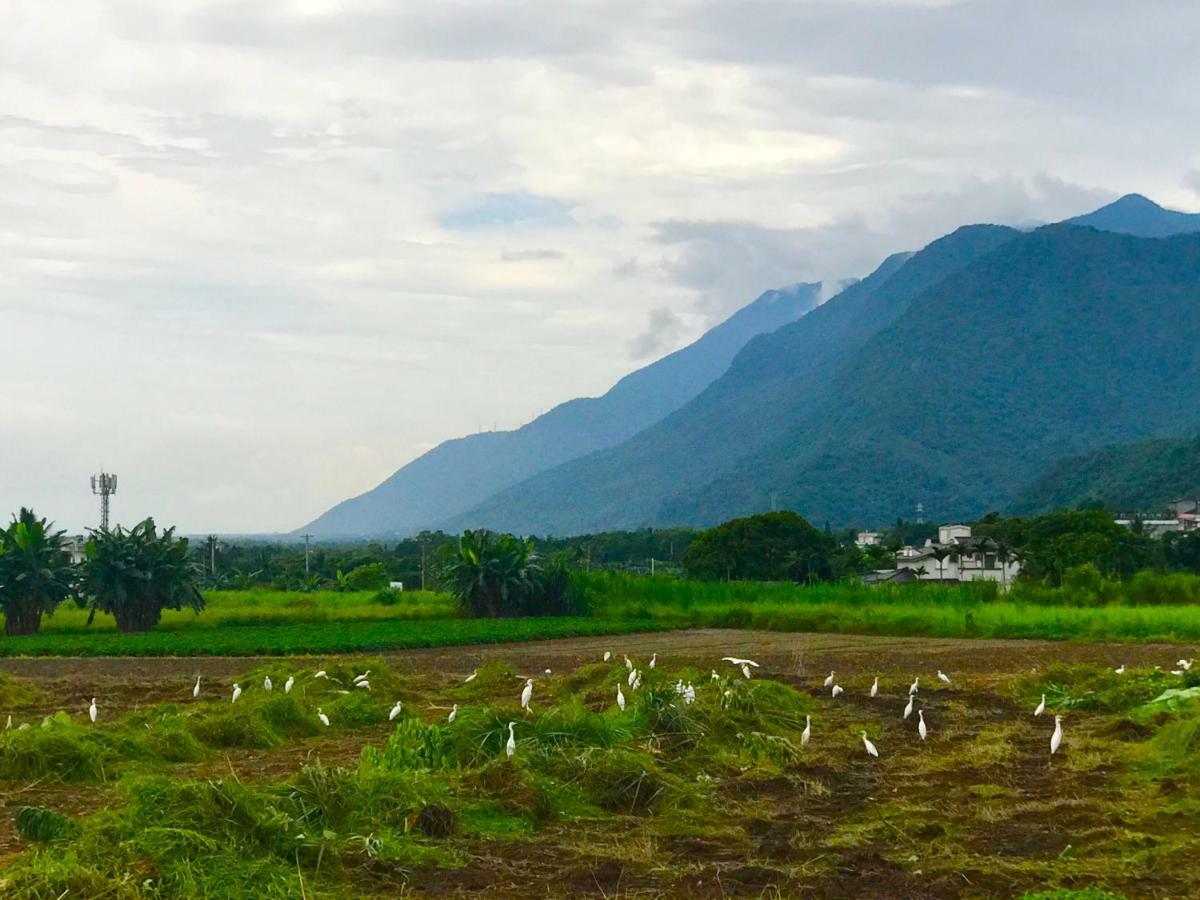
(256, 256)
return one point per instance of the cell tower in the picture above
(104, 485)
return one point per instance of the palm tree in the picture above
(136, 574)
(490, 573)
(940, 553)
(35, 572)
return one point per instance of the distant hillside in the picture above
(777, 380)
(1139, 477)
(960, 387)
(1141, 217)
(462, 472)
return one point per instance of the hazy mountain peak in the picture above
(1139, 216)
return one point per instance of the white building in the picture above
(868, 539)
(955, 557)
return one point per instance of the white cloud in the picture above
(255, 256)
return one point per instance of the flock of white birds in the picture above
(633, 681)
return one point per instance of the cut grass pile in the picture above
(664, 795)
(323, 831)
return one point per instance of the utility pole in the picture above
(422, 564)
(652, 566)
(306, 537)
(212, 555)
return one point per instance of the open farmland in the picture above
(172, 796)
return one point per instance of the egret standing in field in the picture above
(689, 694)
(287, 685)
(943, 677)
(870, 747)
(511, 747)
(324, 718)
(875, 687)
(921, 729)
(1120, 670)
(715, 676)
(1041, 707)
(267, 684)
(196, 689)
(607, 655)
(453, 714)
(912, 688)
(829, 679)
(837, 689)
(653, 660)
(1056, 738)
(395, 711)
(620, 699)
(92, 711)
(471, 677)
(806, 734)
(237, 692)
(527, 694)
(364, 684)
(628, 664)
(633, 676)
(908, 710)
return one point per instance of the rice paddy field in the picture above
(170, 795)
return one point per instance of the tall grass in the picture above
(914, 610)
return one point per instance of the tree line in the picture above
(131, 574)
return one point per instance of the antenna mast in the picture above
(104, 486)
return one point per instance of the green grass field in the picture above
(912, 610)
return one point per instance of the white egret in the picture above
(921, 729)
(511, 747)
(362, 677)
(196, 689)
(267, 683)
(1185, 664)
(1177, 671)
(527, 694)
(806, 734)
(1041, 707)
(548, 672)
(837, 689)
(912, 688)
(637, 682)
(471, 677)
(653, 660)
(829, 679)
(1120, 670)
(321, 674)
(738, 661)
(324, 718)
(875, 687)
(92, 711)
(943, 677)
(365, 685)
(715, 676)
(8, 724)
(237, 692)
(628, 664)
(909, 709)
(453, 714)
(689, 694)
(870, 747)
(745, 670)
(1056, 738)
(607, 655)
(287, 685)
(633, 674)
(620, 699)
(395, 711)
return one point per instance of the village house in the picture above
(955, 557)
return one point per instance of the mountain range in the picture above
(457, 474)
(954, 377)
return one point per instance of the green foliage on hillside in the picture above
(1137, 478)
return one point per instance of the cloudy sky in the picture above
(255, 256)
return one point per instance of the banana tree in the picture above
(35, 572)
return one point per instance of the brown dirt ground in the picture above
(834, 826)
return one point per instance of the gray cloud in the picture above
(663, 330)
(271, 242)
